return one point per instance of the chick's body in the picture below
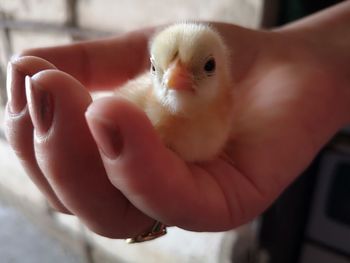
(187, 93)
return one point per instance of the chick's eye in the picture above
(209, 66)
(153, 68)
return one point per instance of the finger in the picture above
(18, 126)
(101, 64)
(152, 177)
(68, 156)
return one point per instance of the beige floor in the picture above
(23, 242)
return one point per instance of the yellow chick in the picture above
(187, 94)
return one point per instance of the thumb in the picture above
(151, 176)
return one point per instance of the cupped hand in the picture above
(103, 162)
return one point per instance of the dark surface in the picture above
(337, 209)
(291, 10)
(283, 224)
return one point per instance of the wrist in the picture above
(330, 26)
(324, 38)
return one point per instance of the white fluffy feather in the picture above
(195, 125)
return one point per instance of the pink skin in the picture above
(113, 172)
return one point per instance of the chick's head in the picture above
(189, 66)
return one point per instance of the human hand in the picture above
(285, 109)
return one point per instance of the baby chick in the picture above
(187, 92)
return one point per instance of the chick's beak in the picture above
(178, 77)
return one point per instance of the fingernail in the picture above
(40, 106)
(107, 136)
(15, 89)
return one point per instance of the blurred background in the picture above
(303, 226)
